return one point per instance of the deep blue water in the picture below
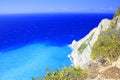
(55, 29)
(29, 43)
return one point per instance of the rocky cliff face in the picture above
(82, 49)
(81, 57)
(118, 23)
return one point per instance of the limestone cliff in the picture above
(82, 49)
(81, 58)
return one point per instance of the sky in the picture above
(57, 6)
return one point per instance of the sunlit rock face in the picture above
(82, 49)
(118, 23)
(111, 72)
(81, 58)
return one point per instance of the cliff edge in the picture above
(82, 49)
(106, 65)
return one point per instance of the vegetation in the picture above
(82, 47)
(91, 36)
(117, 13)
(33, 78)
(107, 45)
(114, 21)
(67, 73)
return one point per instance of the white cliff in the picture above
(118, 23)
(80, 58)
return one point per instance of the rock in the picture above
(91, 68)
(118, 23)
(81, 58)
(109, 73)
(117, 63)
(100, 60)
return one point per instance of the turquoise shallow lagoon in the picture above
(32, 61)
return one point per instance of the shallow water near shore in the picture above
(32, 61)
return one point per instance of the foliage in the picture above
(67, 73)
(117, 13)
(82, 47)
(107, 45)
(33, 78)
(91, 36)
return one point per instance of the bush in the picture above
(67, 73)
(82, 47)
(107, 45)
(117, 13)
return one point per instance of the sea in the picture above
(31, 44)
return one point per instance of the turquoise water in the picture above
(32, 61)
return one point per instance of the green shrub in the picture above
(67, 73)
(82, 47)
(107, 45)
(117, 13)
(33, 78)
(91, 36)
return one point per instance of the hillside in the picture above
(94, 57)
(98, 52)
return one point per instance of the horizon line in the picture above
(59, 13)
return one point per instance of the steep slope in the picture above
(80, 56)
(82, 49)
(111, 72)
(106, 62)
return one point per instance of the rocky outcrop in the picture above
(115, 22)
(81, 57)
(111, 72)
(103, 69)
(118, 23)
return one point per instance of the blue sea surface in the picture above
(31, 43)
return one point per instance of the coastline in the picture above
(80, 59)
